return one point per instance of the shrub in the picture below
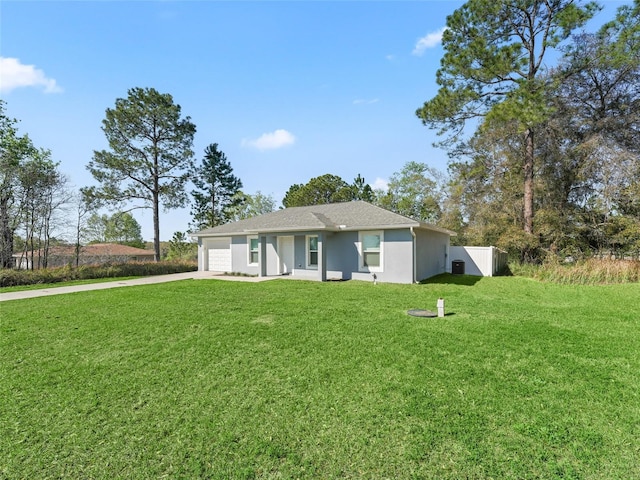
(12, 278)
(592, 271)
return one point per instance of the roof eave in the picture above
(433, 228)
(256, 231)
(290, 230)
(339, 228)
(361, 228)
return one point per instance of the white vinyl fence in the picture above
(481, 261)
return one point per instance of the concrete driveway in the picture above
(127, 283)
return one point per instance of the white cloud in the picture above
(430, 40)
(14, 74)
(365, 102)
(271, 141)
(380, 184)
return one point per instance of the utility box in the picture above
(457, 267)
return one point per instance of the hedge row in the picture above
(12, 278)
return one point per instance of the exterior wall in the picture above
(340, 252)
(201, 255)
(343, 258)
(271, 263)
(300, 269)
(397, 258)
(299, 256)
(432, 250)
(343, 255)
(480, 261)
(240, 256)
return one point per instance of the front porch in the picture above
(301, 255)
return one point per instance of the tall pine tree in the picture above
(492, 67)
(149, 157)
(216, 186)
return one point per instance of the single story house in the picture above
(93, 254)
(338, 241)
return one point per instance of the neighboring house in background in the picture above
(338, 241)
(94, 254)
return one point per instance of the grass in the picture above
(295, 379)
(591, 271)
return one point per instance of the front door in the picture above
(285, 254)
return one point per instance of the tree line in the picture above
(32, 189)
(148, 164)
(544, 160)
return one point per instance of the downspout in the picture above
(413, 234)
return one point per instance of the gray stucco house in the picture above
(338, 241)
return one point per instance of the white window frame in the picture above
(249, 262)
(362, 266)
(308, 251)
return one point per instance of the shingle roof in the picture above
(113, 249)
(357, 215)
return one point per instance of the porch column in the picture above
(262, 255)
(322, 258)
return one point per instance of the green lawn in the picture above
(293, 379)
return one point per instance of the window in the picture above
(253, 251)
(370, 251)
(312, 251)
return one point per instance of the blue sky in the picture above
(288, 90)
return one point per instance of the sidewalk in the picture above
(127, 283)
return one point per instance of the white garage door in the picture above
(220, 255)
